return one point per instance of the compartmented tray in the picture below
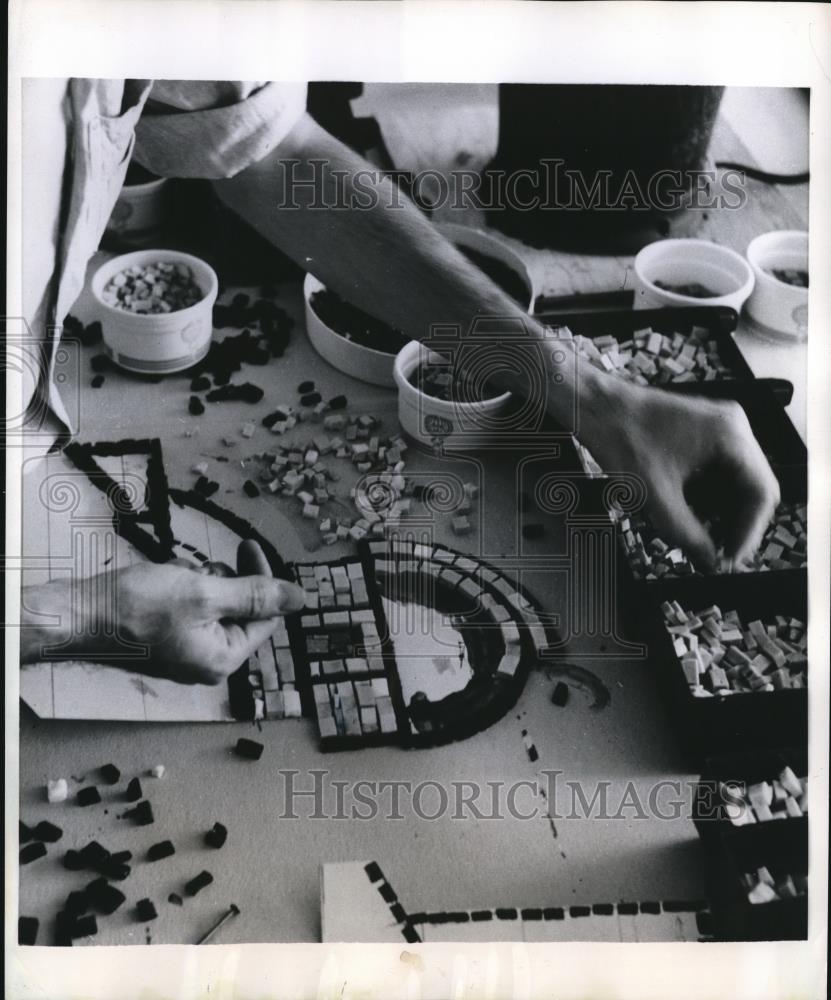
(721, 723)
(718, 321)
(782, 848)
(711, 813)
(754, 720)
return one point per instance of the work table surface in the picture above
(270, 864)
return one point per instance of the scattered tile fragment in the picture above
(216, 836)
(84, 926)
(88, 796)
(141, 815)
(250, 749)
(31, 852)
(48, 832)
(145, 910)
(164, 849)
(103, 897)
(133, 792)
(110, 774)
(198, 883)
(57, 790)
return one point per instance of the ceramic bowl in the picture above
(458, 426)
(156, 343)
(775, 305)
(687, 262)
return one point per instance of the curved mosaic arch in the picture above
(364, 679)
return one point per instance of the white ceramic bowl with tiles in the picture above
(362, 363)
(684, 262)
(458, 426)
(488, 245)
(156, 343)
(775, 305)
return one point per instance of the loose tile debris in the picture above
(88, 796)
(198, 883)
(141, 815)
(110, 774)
(31, 852)
(164, 849)
(216, 836)
(133, 792)
(249, 749)
(57, 790)
(47, 832)
(145, 910)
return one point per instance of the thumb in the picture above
(253, 597)
(678, 523)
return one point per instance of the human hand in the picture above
(698, 460)
(197, 627)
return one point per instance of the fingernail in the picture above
(293, 598)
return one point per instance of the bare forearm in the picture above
(45, 620)
(331, 212)
(392, 263)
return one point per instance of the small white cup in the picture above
(139, 211)
(156, 343)
(775, 305)
(691, 261)
(458, 426)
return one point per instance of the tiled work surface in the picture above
(269, 865)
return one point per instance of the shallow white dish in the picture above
(775, 305)
(458, 426)
(156, 343)
(362, 363)
(691, 261)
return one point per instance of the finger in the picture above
(252, 597)
(245, 638)
(757, 496)
(251, 560)
(676, 521)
